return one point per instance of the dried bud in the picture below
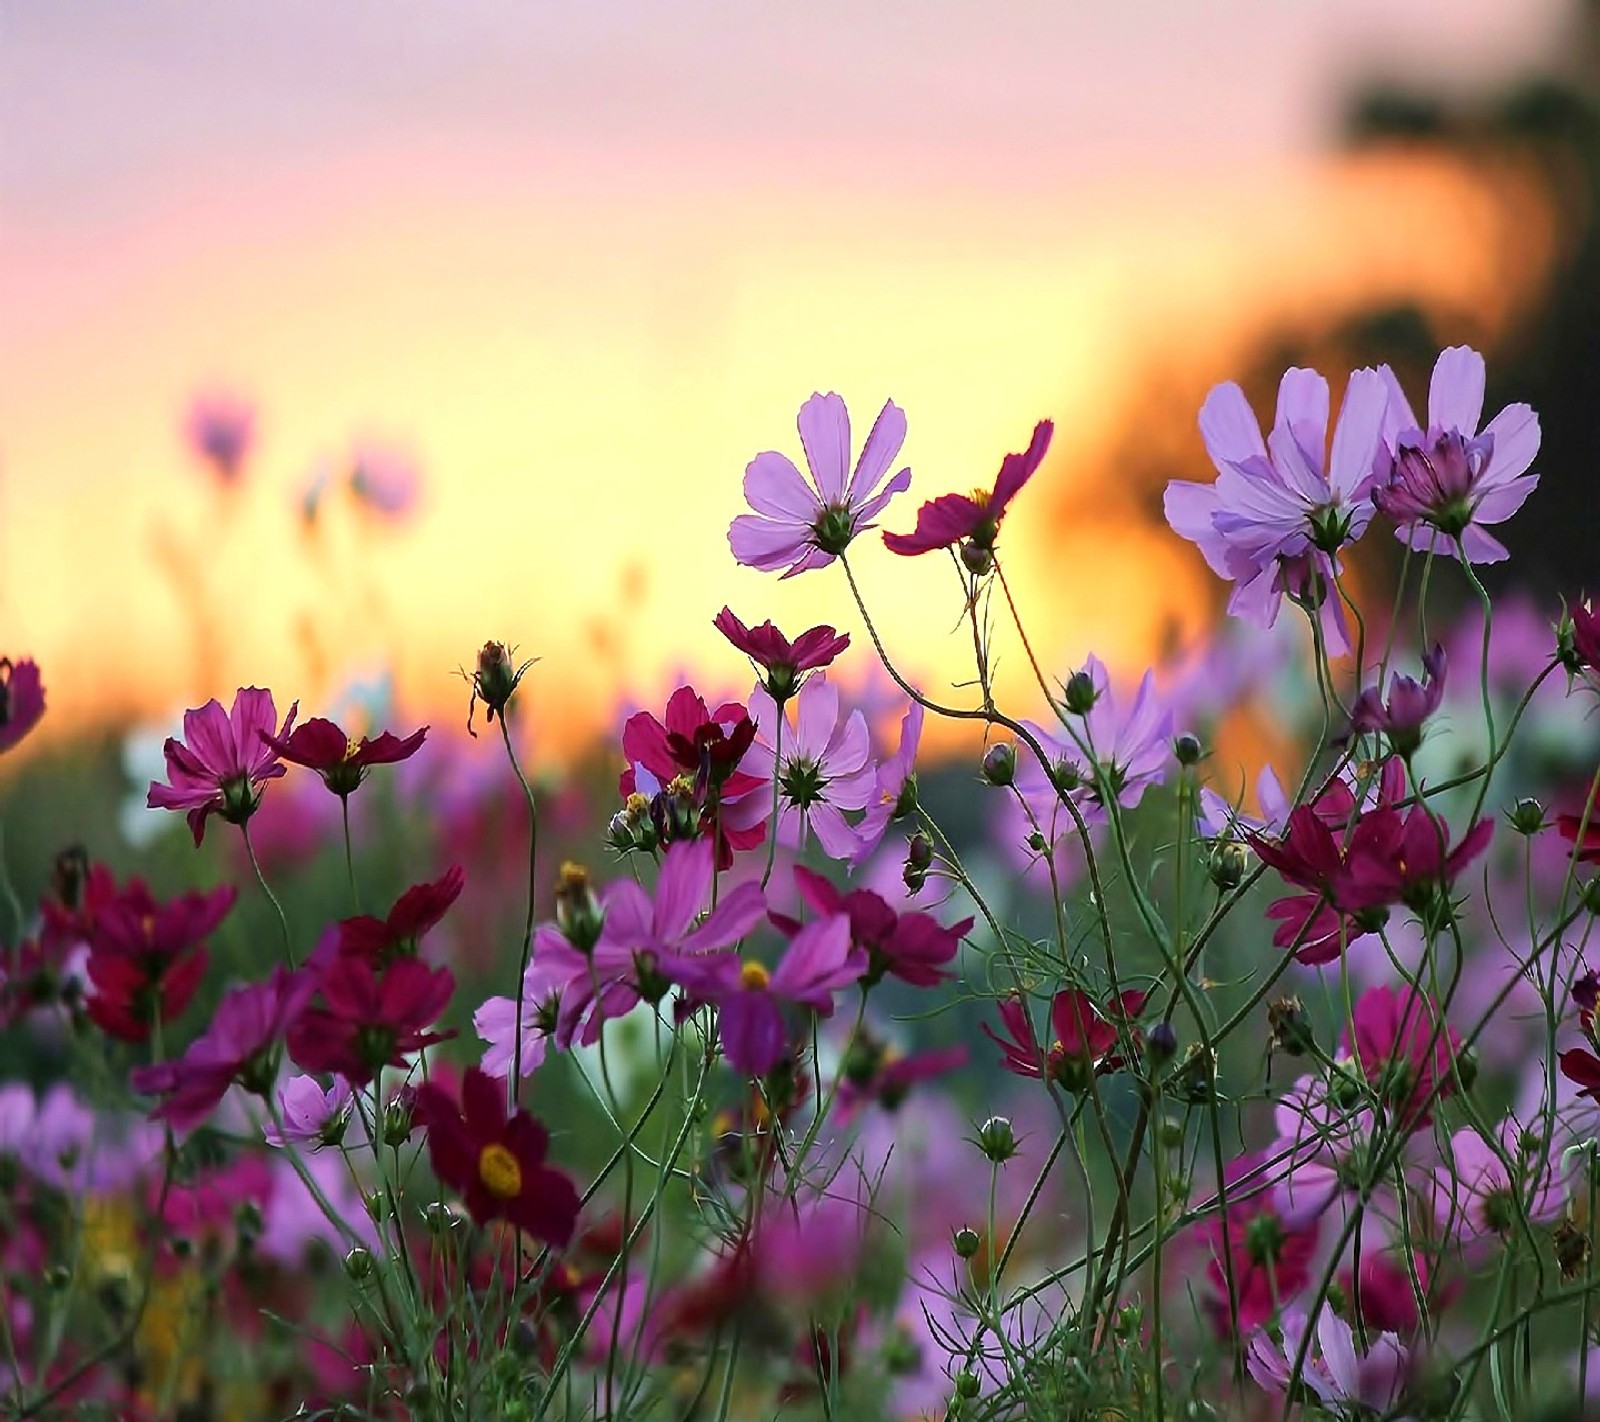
(919, 852)
(1187, 749)
(70, 875)
(1572, 1250)
(1290, 1026)
(1000, 763)
(997, 1140)
(578, 913)
(1080, 693)
(966, 1242)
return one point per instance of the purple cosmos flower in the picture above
(643, 944)
(220, 428)
(1280, 510)
(1324, 1146)
(1410, 703)
(1218, 819)
(1373, 1381)
(238, 1046)
(973, 519)
(912, 946)
(223, 760)
(21, 699)
(894, 796)
(555, 962)
(821, 959)
(384, 482)
(808, 525)
(1449, 480)
(312, 1114)
(822, 768)
(1475, 1198)
(1131, 746)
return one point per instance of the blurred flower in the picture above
(1406, 1050)
(384, 481)
(1449, 481)
(808, 525)
(220, 428)
(1217, 819)
(237, 1046)
(894, 794)
(1254, 1250)
(1083, 1041)
(365, 1022)
(1339, 1373)
(1483, 1190)
(341, 760)
(380, 940)
(1279, 511)
(495, 1160)
(223, 760)
(21, 699)
(974, 518)
(311, 1114)
(1131, 745)
(783, 661)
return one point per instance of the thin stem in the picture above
(272, 898)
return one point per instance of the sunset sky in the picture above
(582, 261)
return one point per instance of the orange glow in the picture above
(583, 383)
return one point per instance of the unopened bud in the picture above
(967, 1384)
(1187, 749)
(977, 560)
(439, 1218)
(1526, 816)
(1000, 763)
(1226, 865)
(966, 1242)
(1589, 896)
(495, 678)
(1080, 693)
(1467, 1067)
(397, 1121)
(358, 1265)
(1037, 842)
(919, 852)
(1170, 1132)
(1162, 1042)
(997, 1140)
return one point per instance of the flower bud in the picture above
(439, 1218)
(1187, 749)
(1170, 1133)
(1226, 865)
(1589, 896)
(1290, 1026)
(966, 1242)
(976, 559)
(1000, 763)
(1161, 1045)
(58, 1277)
(358, 1265)
(1037, 842)
(496, 677)
(1196, 1080)
(578, 913)
(919, 852)
(70, 876)
(1467, 1065)
(1080, 694)
(967, 1384)
(1526, 816)
(997, 1140)
(397, 1121)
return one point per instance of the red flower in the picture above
(1583, 1068)
(339, 759)
(222, 761)
(952, 518)
(379, 940)
(21, 700)
(1585, 636)
(784, 662)
(911, 946)
(1406, 1050)
(1084, 1044)
(1586, 847)
(365, 1022)
(1253, 1248)
(496, 1161)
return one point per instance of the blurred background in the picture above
(508, 294)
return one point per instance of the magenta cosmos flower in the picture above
(341, 760)
(21, 700)
(239, 1045)
(798, 525)
(1281, 509)
(223, 760)
(973, 519)
(783, 662)
(1449, 480)
(912, 946)
(1083, 1040)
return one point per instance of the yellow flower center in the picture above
(754, 977)
(352, 748)
(499, 1171)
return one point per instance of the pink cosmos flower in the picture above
(312, 1114)
(1406, 1050)
(783, 661)
(237, 1046)
(973, 519)
(823, 769)
(808, 525)
(1280, 510)
(1323, 1146)
(1253, 1248)
(1476, 1198)
(1408, 707)
(1450, 480)
(1337, 1371)
(894, 793)
(220, 428)
(384, 481)
(749, 997)
(223, 760)
(1217, 819)
(341, 760)
(1084, 1041)
(21, 699)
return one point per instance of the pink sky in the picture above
(585, 260)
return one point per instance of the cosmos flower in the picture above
(384, 482)
(220, 428)
(1254, 1249)
(1083, 1040)
(365, 1022)
(310, 1113)
(222, 761)
(1449, 481)
(21, 699)
(911, 946)
(397, 934)
(1280, 509)
(341, 760)
(783, 661)
(807, 525)
(894, 794)
(1475, 1196)
(973, 519)
(1406, 1050)
(1402, 715)
(495, 1159)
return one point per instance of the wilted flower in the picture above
(1449, 481)
(223, 760)
(808, 525)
